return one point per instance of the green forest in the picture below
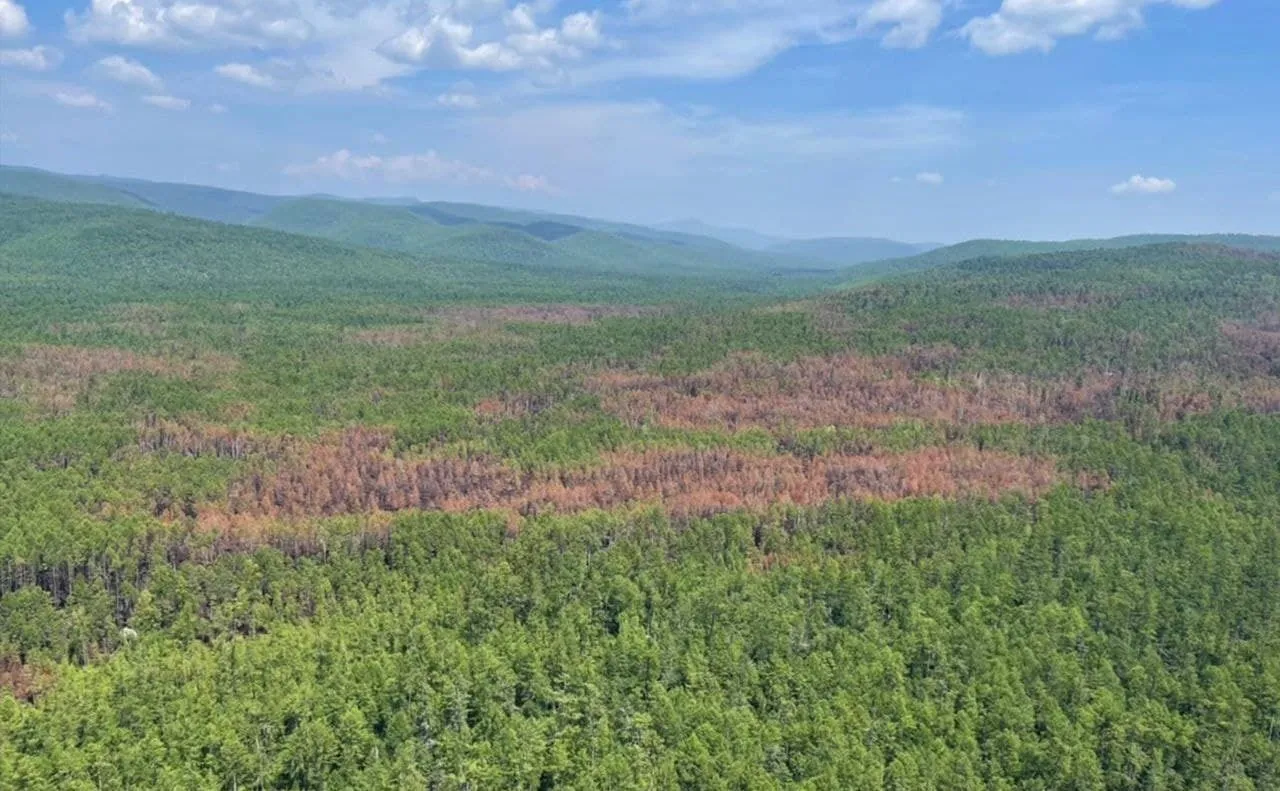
(347, 502)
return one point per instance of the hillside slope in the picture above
(109, 253)
(1007, 524)
(34, 183)
(509, 237)
(1000, 248)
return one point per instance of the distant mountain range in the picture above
(839, 250)
(494, 235)
(738, 237)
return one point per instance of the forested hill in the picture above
(277, 512)
(518, 239)
(987, 248)
(451, 230)
(57, 249)
(509, 236)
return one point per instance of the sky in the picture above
(920, 120)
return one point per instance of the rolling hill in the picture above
(464, 231)
(1003, 248)
(48, 186)
(106, 253)
(451, 230)
(509, 237)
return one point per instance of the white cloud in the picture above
(458, 101)
(228, 167)
(930, 178)
(13, 20)
(727, 38)
(1144, 185)
(910, 23)
(249, 75)
(582, 30)
(410, 168)
(39, 58)
(131, 72)
(444, 41)
(1022, 25)
(79, 99)
(7, 137)
(379, 139)
(167, 102)
(184, 24)
(217, 109)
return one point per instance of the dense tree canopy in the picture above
(280, 513)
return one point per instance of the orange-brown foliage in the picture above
(197, 440)
(53, 376)
(513, 405)
(489, 323)
(1258, 343)
(846, 390)
(357, 475)
(850, 390)
(24, 682)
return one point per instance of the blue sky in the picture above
(925, 120)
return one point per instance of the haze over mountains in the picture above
(565, 243)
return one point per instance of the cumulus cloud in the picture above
(930, 178)
(40, 58)
(167, 102)
(13, 20)
(183, 24)
(249, 75)
(411, 168)
(1022, 25)
(130, 72)
(752, 32)
(1144, 185)
(79, 99)
(582, 30)
(443, 41)
(906, 23)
